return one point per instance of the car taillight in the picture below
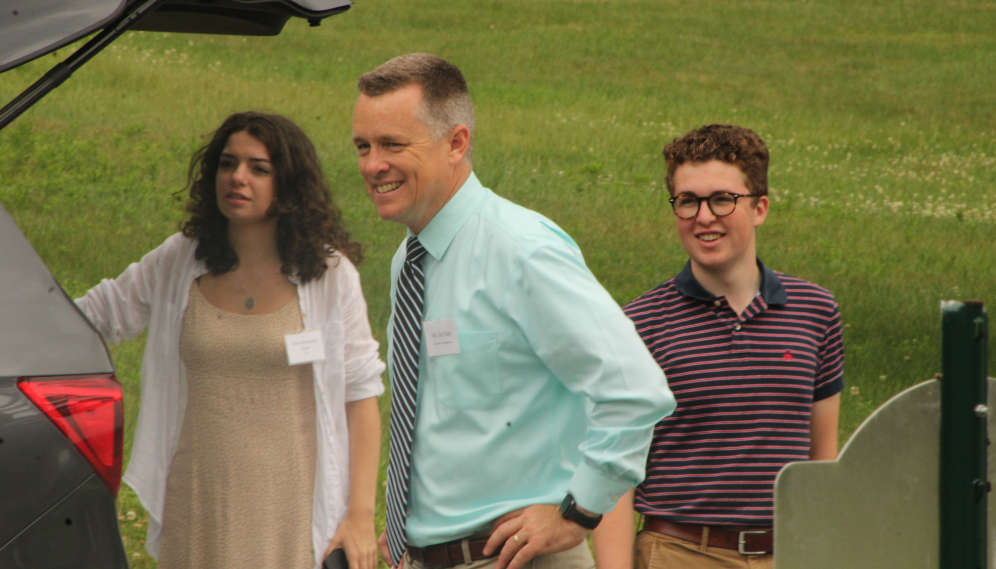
(89, 410)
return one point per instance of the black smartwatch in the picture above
(569, 509)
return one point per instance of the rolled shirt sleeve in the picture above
(361, 354)
(588, 343)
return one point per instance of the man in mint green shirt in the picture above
(543, 415)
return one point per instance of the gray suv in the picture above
(61, 408)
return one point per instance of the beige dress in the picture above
(242, 480)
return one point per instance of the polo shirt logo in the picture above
(787, 356)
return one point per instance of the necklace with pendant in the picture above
(250, 301)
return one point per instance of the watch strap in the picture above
(569, 510)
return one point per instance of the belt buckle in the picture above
(741, 542)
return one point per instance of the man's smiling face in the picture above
(716, 243)
(406, 171)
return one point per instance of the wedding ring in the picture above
(516, 538)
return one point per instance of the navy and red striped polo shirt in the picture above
(745, 387)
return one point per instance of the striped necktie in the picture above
(404, 387)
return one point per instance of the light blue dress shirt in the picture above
(552, 392)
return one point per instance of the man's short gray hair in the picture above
(446, 101)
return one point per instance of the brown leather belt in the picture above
(746, 540)
(451, 553)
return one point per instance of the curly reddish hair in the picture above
(728, 143)
(309, 225)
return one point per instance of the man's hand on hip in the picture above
(535, 530)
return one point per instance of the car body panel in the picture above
(41, 330)
(42, 333)
(71, 534)
(32, 28)
(40, 465)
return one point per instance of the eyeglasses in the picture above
(721, 204)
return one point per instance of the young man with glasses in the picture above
(753, 357)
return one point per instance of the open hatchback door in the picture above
(30, 29)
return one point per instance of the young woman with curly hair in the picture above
(240, 458)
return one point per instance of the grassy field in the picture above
(880, 116)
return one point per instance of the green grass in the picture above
(879, 116)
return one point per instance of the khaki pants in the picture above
(659, 551)
(576, 558)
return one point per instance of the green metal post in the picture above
(963, 435)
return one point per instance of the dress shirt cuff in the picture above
(594, 491)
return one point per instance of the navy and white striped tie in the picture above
(408, 306)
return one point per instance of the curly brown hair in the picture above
(309, 225)
(728, 143)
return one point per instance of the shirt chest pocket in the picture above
(470, 379)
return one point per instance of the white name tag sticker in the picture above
(441, 337)
(305, 347)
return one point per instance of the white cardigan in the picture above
(153, 294)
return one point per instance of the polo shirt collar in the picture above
(772, 291)
(437, 235)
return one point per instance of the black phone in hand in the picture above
(336, 560)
